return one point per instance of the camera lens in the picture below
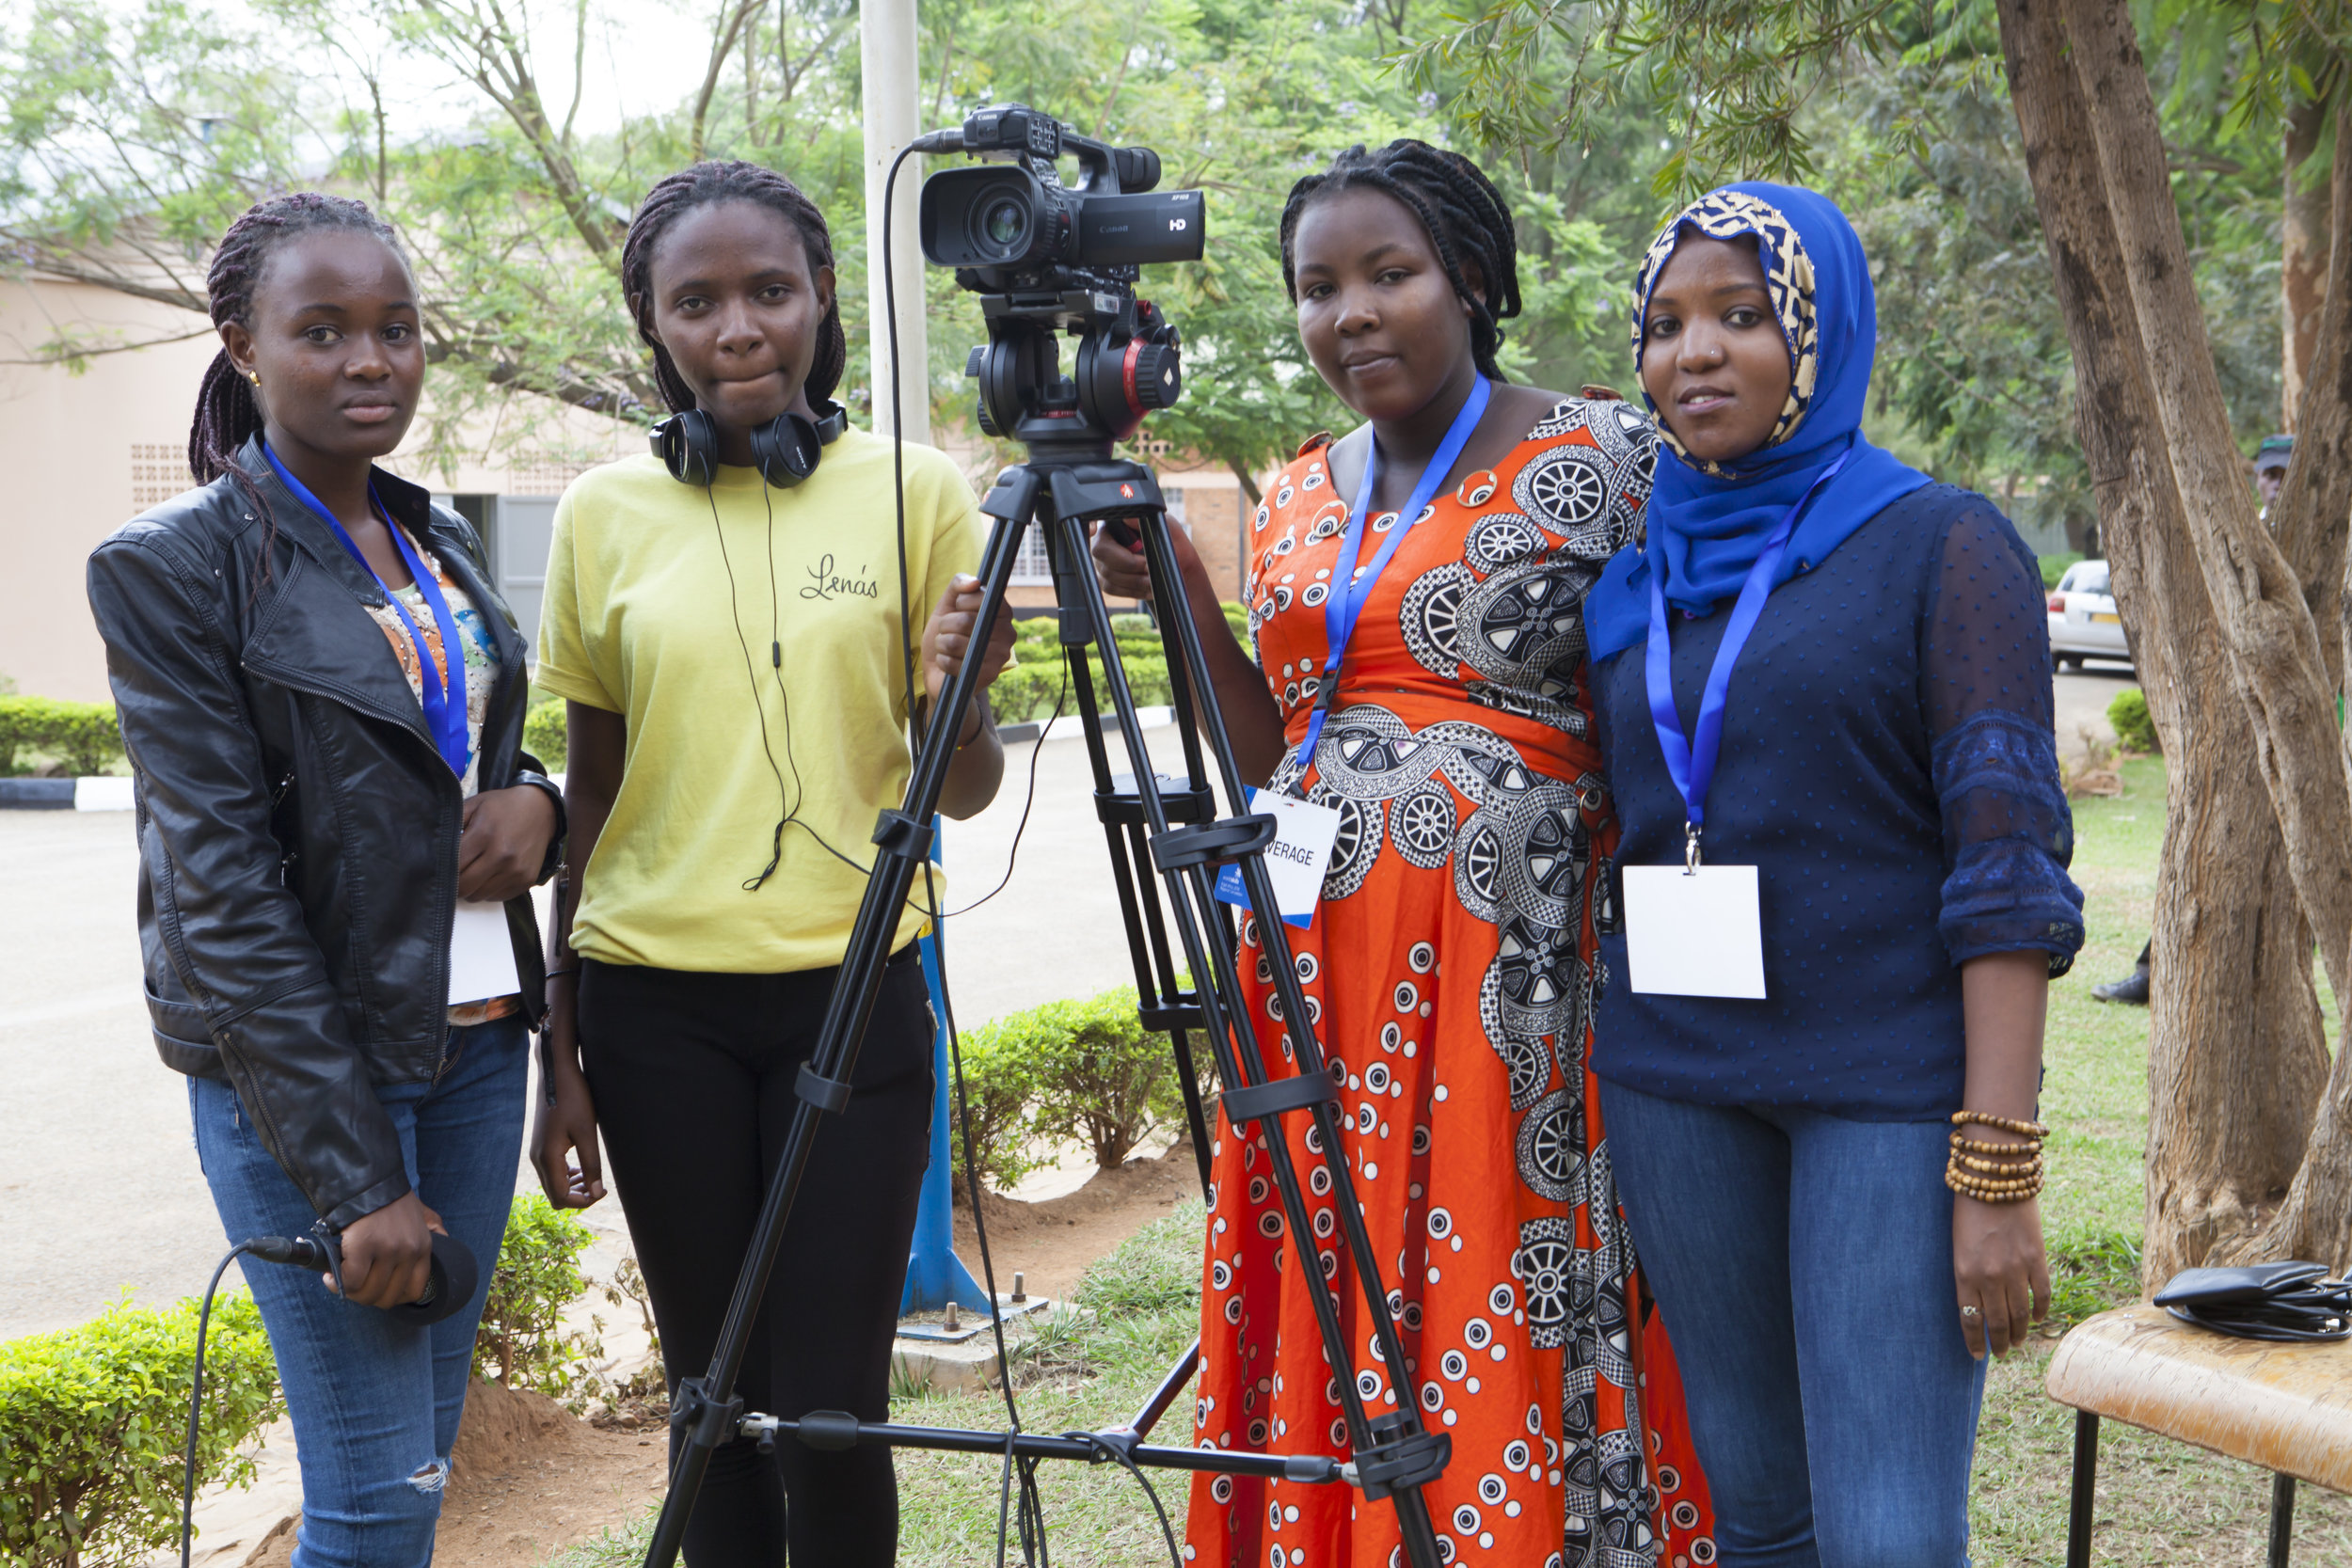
(1004, 222)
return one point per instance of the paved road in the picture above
(99, 1184)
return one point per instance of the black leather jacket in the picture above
(298, 828)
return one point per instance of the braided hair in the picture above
(706, 184)
(1464, 214)
(226, 413)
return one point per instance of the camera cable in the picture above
(1031, 1513)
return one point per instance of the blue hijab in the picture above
(1707, 521)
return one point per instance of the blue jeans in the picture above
(1804, 1265)
(375, 1401)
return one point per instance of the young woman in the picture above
(1830, 1184)
(1450, 961)
(733, 655)
(321, 698)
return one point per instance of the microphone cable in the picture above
(196, 1395)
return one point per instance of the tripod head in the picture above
(1127, 365)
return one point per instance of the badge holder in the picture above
(1693, 930)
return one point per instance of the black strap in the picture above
(1256, 1101)
(1212, 843)
(829, 1095)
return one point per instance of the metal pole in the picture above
(888, 48)
(935, 1276)
(2281, 1519)
(2085, 1477)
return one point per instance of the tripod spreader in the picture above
(1405, 1454)
(834, 1429)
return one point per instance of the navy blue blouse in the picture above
(1888, 767)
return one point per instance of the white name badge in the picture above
(1295, 862)
(481, 954)
(1693, 933)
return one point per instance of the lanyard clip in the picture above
(1690, 849)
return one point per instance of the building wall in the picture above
(82, 453)
(89, 452)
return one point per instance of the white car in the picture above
(2082, 619)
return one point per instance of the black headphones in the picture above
(786, 449)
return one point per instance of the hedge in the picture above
(93, 1422)
(1028, 687)
(545, 736)
(93, 1419)
(83, 736)
(1085, 1071)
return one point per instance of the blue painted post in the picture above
(935, 1276)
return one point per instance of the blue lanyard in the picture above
(1349, 595)
(1692, 766)
(444, 709)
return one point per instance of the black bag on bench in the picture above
(2264, 1301)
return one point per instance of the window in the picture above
(158, 472)
(1030, 568)
(2090, 576)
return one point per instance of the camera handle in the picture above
(1395, 1455)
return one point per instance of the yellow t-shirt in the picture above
(636, 622)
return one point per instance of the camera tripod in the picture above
(1152, 825)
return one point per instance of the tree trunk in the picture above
(2303, 255)
(2313, 511)
(2236, 1056)
(2273, 644)
(2315, 1221)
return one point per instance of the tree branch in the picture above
(724, 30)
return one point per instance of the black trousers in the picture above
(693, 1079)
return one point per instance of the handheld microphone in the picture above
(450, 1286)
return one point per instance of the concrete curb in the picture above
(99, 793)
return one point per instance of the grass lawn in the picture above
(2160, 1503)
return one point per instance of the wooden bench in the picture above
(2285, 1407)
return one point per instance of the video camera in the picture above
(1046, 259)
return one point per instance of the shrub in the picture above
(1100, 1075)
(544, 734)
(521, 1342)
(2135, 728)
(998, 1086)
(93, 1422)
(83, 736)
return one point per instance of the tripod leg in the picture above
(706, 1408)
(1162, 1005)
(1395, 1455)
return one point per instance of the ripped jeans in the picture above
(375, 1402)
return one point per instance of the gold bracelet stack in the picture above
(1993, 1172)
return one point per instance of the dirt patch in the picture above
(526, 1478)
(1052, 1241)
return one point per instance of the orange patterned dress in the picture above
(1450, 967)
